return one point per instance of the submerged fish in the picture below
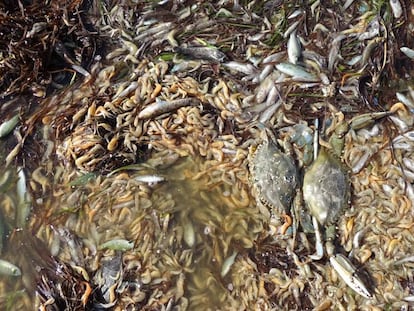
(8, 126)
(7, 268)
(150, 179)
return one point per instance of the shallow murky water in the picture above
(15, 208)
(184, 227)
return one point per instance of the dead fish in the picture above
(8, 126)
(7, 268)
(293, 48)
(245, 68)
(61, 50)
(296, 13)
(189, 232)
(291, 29)
(117, 244)
(152, 31)
(396, 8)
(161, 106)
(131, 87)
(227, 264)
(405, 100)
(373, 30)
(150, 179)
(407, 51)
(273, 58)
(24, 199)
(373, 43)
(298, 73)
(334, 51)
(207, 53)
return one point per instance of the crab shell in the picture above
(274, 177)
(326, 187)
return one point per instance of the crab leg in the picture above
(296, 205)
(330, 232)
(316, 140)
(318, 243)
(367, 119)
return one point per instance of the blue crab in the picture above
(274, 175)
(326, 185)
(326, 192)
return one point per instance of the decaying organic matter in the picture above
(133, 150)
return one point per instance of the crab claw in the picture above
(347, 272)
(367, 119)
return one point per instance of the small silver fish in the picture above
(245, 68)
(298, 73)
(407, 51)
(296, 13)
(227, 264)
(293, 48)
(160, 106)
(117, 244)
(150, 179)
(24, 199)
(405, 100)
(129, 89)
(366, 54)
(396, 8)
(7, 268)
(207, 53)
(61, 50)
(8, 126)
(291, 29)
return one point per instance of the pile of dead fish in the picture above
(129, 131)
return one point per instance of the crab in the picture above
(274, 176)
(326, 185)
(326, 192)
